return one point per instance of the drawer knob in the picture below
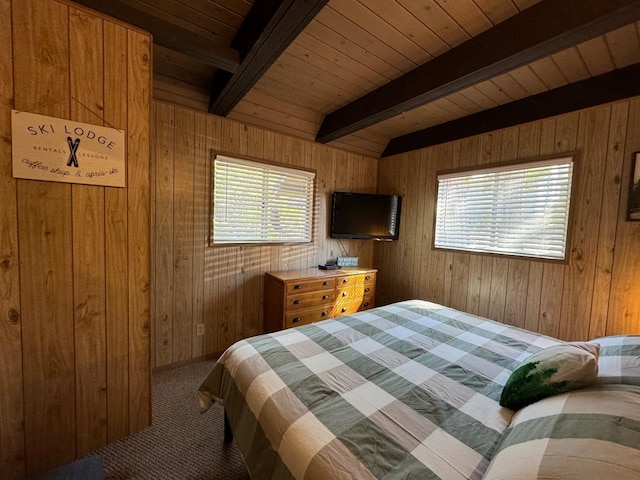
(326, 282)
(325, 297)
(366, 304)
(345, 280)
(368, 277)
(296, 302)
(367, 289)
(297, 287)
(325, 313)
(344, 294)
(295, 320)
(344, 309)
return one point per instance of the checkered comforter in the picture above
(408, 390)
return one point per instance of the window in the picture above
(520, 210)
(256, 202)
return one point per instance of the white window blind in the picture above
(520, 210)
(256, 202)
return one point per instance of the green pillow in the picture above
(556, 369)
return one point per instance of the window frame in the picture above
(573, 199)
(211, 197)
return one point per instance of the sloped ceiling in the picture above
(308, 68)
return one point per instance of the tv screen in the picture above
(365, 215)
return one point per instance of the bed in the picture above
(408, 390)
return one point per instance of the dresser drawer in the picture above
(346, 307)
(307, 315)
(310, 285)
(367, 303)
(369, 289)
(299, 297)
(309, 299)
(347, 280)
(350, 291)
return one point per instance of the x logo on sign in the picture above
(73, 146)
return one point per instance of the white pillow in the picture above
(619, 360)
(554, 370)
(584, 434)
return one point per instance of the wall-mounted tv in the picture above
(365, 215)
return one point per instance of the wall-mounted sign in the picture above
(58, 150)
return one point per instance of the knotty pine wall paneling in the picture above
(12, 433)
(163, 238)
(45, 233)
(624, 301)
(597, 293)
(138, 213)
(116, 243)
(606, 244)
(222, 286)
(75, 266)
(88, 227)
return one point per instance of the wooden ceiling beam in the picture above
(537, 32)
(208, 50)
(266, 32)
(605, 88)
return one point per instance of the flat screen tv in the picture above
(365, 216)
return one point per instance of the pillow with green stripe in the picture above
(619, 360)
(588, 433)
(551, 371)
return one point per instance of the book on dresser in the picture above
(299, 297)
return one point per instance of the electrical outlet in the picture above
(200, 329)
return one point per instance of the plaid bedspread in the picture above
(588, 433)
(408, 390)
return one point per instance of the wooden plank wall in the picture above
(74, 259)
(222, 286)
(598, 293)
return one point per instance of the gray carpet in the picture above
(88, 468)
(181, 443)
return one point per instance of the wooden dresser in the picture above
(298, 297)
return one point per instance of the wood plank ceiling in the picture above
(349, 49)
